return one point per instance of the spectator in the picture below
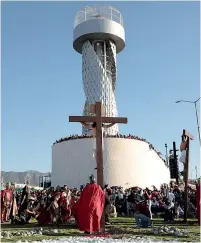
(142, 215)
(168, 202)
(76, 136)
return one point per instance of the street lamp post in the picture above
(196, 112)
(196, 172)
(166, 154)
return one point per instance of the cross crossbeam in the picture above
(187, 134)
(94, 119)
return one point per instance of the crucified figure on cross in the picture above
(92, 127)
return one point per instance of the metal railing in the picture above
(98, 12)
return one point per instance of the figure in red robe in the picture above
(6, 201)
(65, 210)
(43, 215)
(198, 202)
(89, 208)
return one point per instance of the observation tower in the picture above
(99, 35)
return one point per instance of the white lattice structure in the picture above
(98, 36)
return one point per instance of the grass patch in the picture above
(120, 227)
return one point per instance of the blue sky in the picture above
(42, 82)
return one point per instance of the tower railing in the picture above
(98, 12)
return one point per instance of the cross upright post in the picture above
(99, 143)
(175, 162)
(186, 169)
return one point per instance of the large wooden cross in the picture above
(99, 121)
(186, 172)
(99, 150)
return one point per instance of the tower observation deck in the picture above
(99, 35)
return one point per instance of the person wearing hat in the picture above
(89, 208)
(6, 201)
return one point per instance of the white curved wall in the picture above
(127, 163)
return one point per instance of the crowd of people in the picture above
(88, 203)
(76, 136)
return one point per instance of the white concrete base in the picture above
(127, 163)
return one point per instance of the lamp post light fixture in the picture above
(196, 112)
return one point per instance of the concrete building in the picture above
(127, 163)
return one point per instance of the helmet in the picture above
(31, 198)
(92, 179)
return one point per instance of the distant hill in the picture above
(20, 177)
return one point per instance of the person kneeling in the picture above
(169, 211)
(142, 215)
(26, 211)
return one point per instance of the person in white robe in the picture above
(183, 147)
